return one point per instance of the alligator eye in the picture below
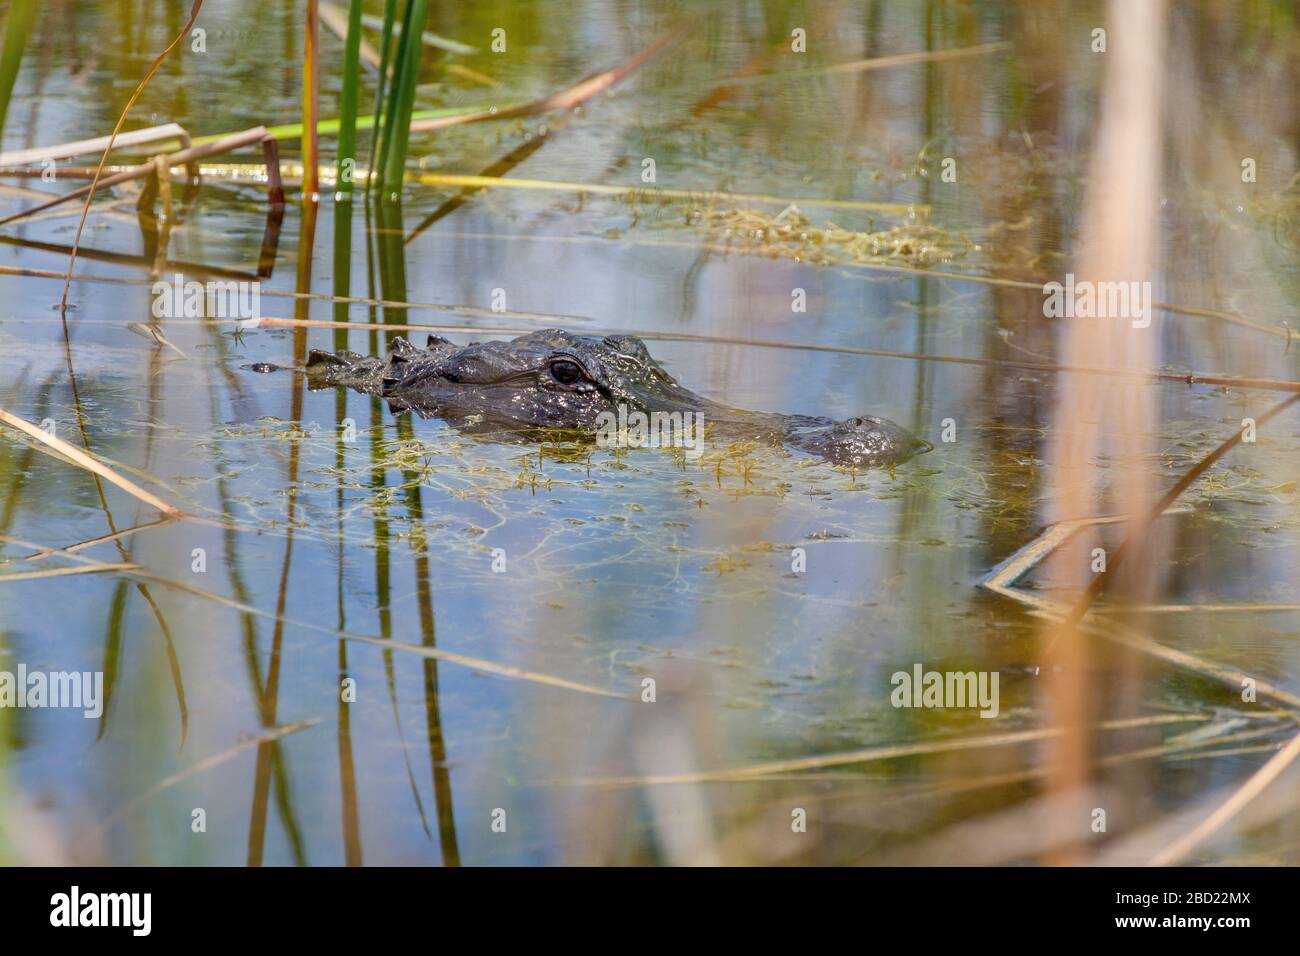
(566, 372)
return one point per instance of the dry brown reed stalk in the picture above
(1231, 807)
(102, 539)
(652, 194)
(1137, 532)
(81, 458)
(151, 134)
(884, 62)
(1002, 579)
(1118, 244)
(64, 572)
(575, 95)
(184, 157)
(275, 733)
(795, 765)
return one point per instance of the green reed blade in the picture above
(385, 58)
(21, 15)
(402, 98)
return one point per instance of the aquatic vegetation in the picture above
(791, 234)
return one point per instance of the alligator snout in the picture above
(862, 442)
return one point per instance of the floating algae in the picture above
(790, 234)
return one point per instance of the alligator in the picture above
(552, 380)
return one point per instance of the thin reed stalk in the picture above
(311, 102)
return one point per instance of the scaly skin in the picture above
(555, 380)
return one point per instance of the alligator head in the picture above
(556, 380)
